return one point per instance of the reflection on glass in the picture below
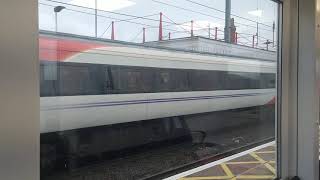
(132, 109)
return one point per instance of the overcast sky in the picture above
(80, 21)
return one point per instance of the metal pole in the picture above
(144, 35)
(253, 41)
(209, 30)
(216, 33)
(191, 28)
(257, 34)
(56, 10)
(236, 38)
(160, 27)
(112, 30)
(56, 21)
(227, 22)
(273, 31)
(169, 35)
(96, 18)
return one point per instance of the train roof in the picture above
(150, 48)
(71, 49)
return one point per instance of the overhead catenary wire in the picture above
(240, 36)
(135, 37)
(145, 17)
(173, 30)
(147, 26)
(204, 14)
(106, 30)
(139, 17)
(123, 20)
(179, 25)
(190, 10)
(209, 7)
(108, 17)
(170, 21)
(110, 12)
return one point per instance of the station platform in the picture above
(255, 164)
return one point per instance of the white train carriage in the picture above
(109, 85)
(103, 98)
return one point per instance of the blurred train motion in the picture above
(102, 99)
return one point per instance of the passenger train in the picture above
(99, 97)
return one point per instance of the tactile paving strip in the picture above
(258, 165)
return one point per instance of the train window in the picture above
(50, 71)
(181, 80)
(73, 80)
(164, 77)
(148, 79)
(206, 80)
(134, 79)
(130, 80)
(164, 81)
(115, 75)
(81, 80)
(109, 86)
(237, 81)
(199, 80)
(48, 80)
(266, 81)
(254, 79)
(97, 80)
(270, 81)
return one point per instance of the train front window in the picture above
(129, 92)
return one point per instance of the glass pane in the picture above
(140, 89)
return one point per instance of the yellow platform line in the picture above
(255, 177)
(265, 163)
(230, 176)
(206, 178)
(243, 162)
(265, 152)
(228, 171)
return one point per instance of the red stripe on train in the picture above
(272, 101)
(51, 49)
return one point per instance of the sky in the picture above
(177, 17)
